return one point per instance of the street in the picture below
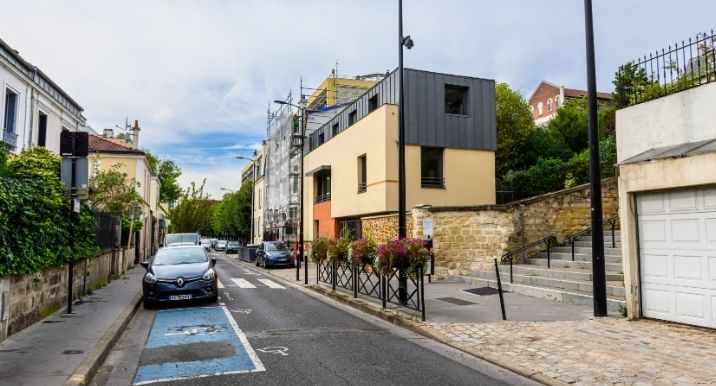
(265, 331)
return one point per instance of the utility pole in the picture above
(599, 284)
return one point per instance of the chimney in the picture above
(135, 134)
(108, 133)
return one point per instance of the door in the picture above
(677, 244)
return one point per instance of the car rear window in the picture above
(172, 256)
(175, 238)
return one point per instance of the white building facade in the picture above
(34, 110)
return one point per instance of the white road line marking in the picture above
(271, 284)
(243, 283)
(249, 350)
(219, 284)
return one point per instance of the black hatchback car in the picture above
(272, 254)
(179, 273)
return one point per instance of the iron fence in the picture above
(105, 234)
(675, 68)
(397, 287)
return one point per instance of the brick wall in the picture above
(381, 229)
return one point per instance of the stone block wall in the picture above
(384, 228)
(469, 238)
(35, 296)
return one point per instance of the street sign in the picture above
(76, 205)
(81, 173)
(427, 227)
(81, 143)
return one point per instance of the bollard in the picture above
(499, 290)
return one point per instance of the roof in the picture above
(675, 151)
(576, 93)
(30, 70)
(571, 92)
(99, 144)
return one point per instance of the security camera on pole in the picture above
(73, 149)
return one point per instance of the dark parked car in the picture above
(232, 247)
(179, 273)
(174, 239)
(272, 254)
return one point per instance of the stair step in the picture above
(557, 273)
(608, 251)
(610, 267)
(579, 257)
(580, 243)
(564, 296)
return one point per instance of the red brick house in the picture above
(548, 97)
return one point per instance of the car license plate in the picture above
(179, 297)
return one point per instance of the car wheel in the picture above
(148, 305)
(257, 262)
(214, 298)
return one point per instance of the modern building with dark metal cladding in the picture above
(351, 161)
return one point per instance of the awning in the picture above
(675, 151)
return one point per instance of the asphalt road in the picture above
(299, 339)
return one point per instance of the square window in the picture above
(455, 99)
(334, 130)
(431, 167)
(352, 117)
(373, 103)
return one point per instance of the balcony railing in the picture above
(10, 139)
(673, 69)
(323, 197)
(362, 187)
(432, 182)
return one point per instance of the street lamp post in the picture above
(300, 199)
(403, 41)
(599, 284)
(253, 182)
(228, 190)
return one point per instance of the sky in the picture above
(200, 75)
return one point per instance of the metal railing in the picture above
(433, 182)
(323, 197)
(10, 139)
(510, 256)
(611, 221)
(673, 69)
(397, 287)
(105, 233)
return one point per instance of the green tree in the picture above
(193, 211)
(168, 172)
(514, 125)
(232, 216)
(111, 191)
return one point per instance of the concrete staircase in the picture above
(566, 281)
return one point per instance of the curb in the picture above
(88, 368)
(403, 320)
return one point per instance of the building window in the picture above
(323, 186)
(532, 109)
(549, 104)
(455, 99)
(10, 111)
(42, 130)
(352, 117)
(321, 138)
(294, 184)
(373, 103)
(557, 101)
(431, 167)
(362, 171)
(334, 130)
(539, 108)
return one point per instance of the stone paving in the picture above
(604, 351)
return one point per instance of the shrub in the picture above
(406, 254)
(319, 250)
(339, 249)
(363, 251)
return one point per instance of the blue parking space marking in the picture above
(196, 327)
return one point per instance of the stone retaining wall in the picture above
(35, 296)
(468, 238)
(382, 229)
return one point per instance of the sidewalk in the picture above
(551, 342)
(51, 351)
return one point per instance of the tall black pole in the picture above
(401, 129)
(598, 268)
(300, 226)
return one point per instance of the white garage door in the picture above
(677, 239)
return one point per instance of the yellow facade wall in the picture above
(469, 174)
(331, 84)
